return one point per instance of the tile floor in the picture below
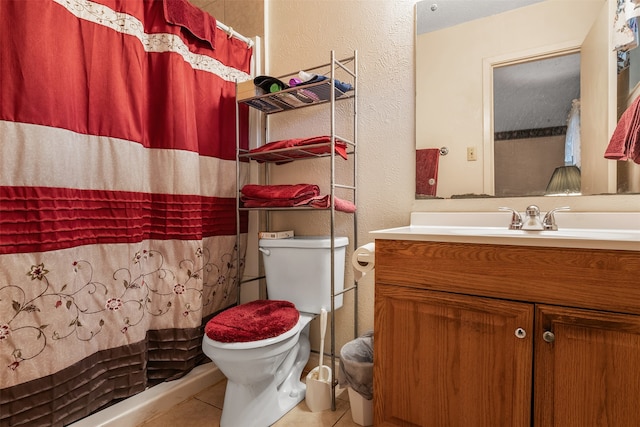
(204, 410)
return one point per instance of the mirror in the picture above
(460, 48)
(532, 103)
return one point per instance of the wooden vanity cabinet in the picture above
(589, 375)
(494, 335)
(450, 360)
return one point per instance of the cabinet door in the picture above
(451, 360)
(587, 368)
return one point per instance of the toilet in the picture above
(262, 346)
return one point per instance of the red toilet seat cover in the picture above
(253, 321)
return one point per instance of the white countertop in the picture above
(592, 230)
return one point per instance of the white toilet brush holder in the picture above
(318, 396)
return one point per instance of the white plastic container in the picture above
(299, 270)
(361, 408)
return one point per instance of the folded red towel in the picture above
(265, 152)
(624, 142)
(290, 195)
(286, 192)
(324, 202)
(274, 203)
(318, 202)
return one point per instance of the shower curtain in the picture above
(117, 198)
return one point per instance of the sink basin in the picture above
(598, 230)
(567, 233)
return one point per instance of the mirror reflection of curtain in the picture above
(625, 34)
(572, 141)
(625, 25)
(625, 41)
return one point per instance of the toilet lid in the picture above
(253, 321)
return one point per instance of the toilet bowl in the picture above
(263, 370)
(263, 377)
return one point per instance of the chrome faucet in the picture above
(532, 220)
(549, 221)
(516, 219)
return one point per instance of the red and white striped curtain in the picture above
(117, 198)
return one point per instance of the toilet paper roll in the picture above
(363, 260)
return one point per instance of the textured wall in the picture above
(245, 16)
(301, 34)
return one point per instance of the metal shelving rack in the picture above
(313, 95)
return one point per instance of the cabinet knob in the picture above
(521, 333)
(548, 336)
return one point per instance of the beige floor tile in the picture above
(205, 409)
(213, 395)
(347, 421)
(301, 415)
(192, 413)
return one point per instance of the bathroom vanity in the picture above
(520, 331)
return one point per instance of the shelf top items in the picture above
(304, 94)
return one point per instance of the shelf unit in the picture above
(318, 95)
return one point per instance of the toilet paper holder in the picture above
(363, 260)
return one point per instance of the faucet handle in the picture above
(516, 219)
(549, 221)
(532, 211)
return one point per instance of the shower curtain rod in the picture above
(232, 33)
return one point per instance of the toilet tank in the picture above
(298, 269)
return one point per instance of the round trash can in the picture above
(356, 372)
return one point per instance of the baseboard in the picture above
(135, 410)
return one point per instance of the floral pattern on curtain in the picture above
(117, 198)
